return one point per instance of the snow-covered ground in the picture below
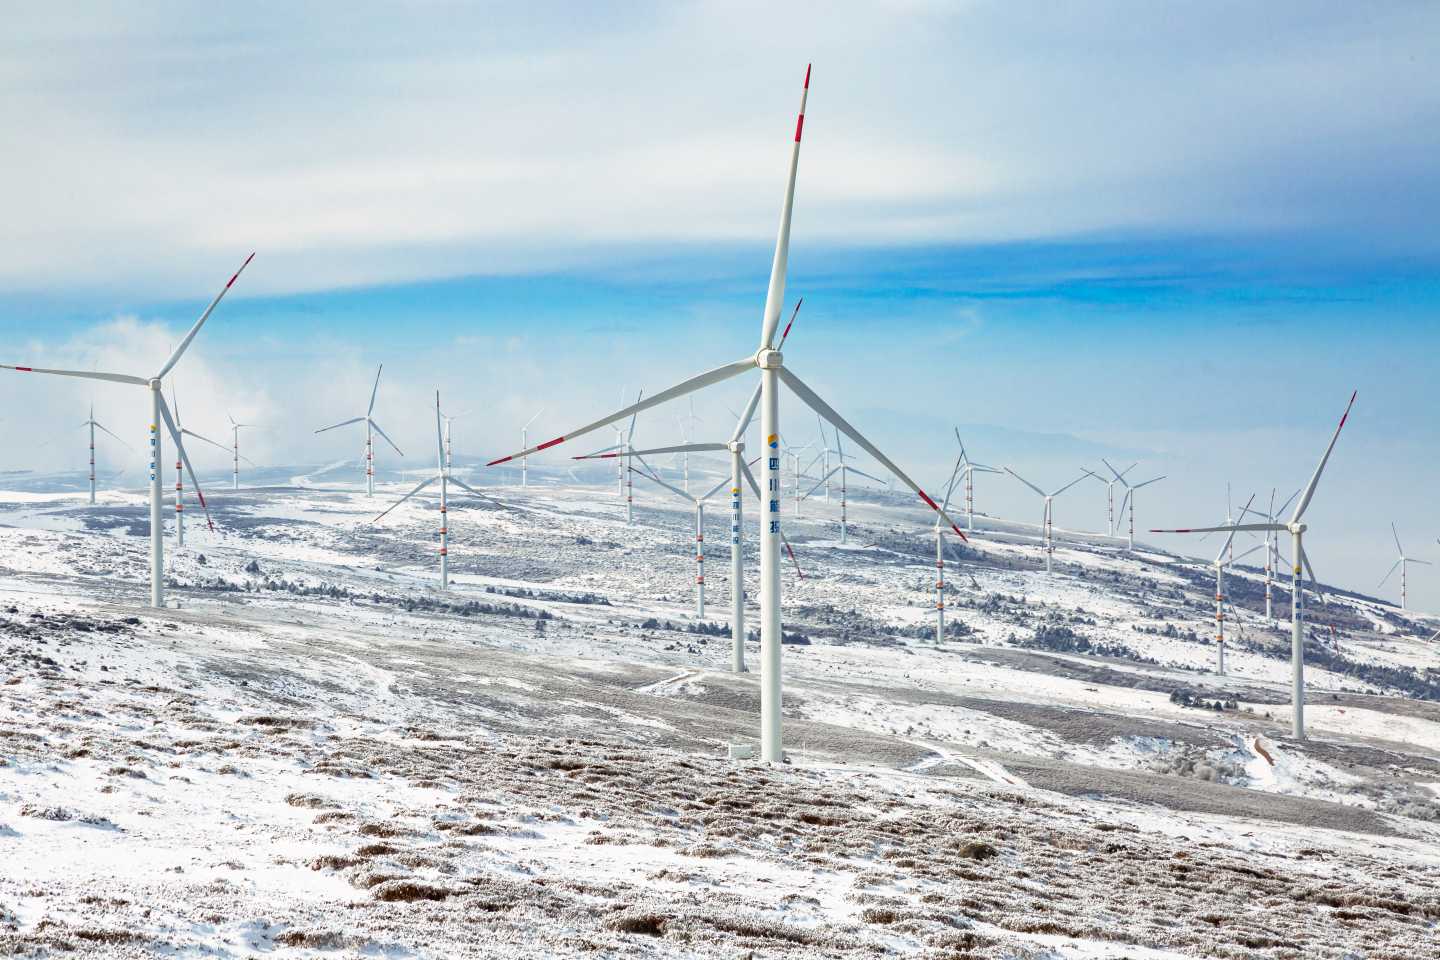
(318, 751)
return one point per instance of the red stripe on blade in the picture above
(926, 497)
(501, 460)
(25, 369)
(799, 126)
(807, 75)
(550, 443)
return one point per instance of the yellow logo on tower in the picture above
(773, 440)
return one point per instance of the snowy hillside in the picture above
(319, 751)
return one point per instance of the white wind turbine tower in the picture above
(1117, 476)
(1403, 564)
(370, 425)
(1047, 524)
(770, 362)
(1296, 529)
(235, 452)
(1220, 563)
(93, 424)
(968, 469)
(159, 411)
(843, 470)
(524, 442)
(445, 478)
(179, 453)
(1129, 500)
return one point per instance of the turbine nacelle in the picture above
(769, 359)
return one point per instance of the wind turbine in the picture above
(824, 457)
(699, 504)
(524, 441)
(1220, 563)
(1118, 476)
(93, 424)
(1403, 564)
(443, 475)
(1296, 529)
(770, 362)
(940, 554)
(1047, 524)
(179, 453)
(159, 411)
(968, 469)
(1129, 500)
(235, 451)
(794, 454)
(844, 470)
(684, 423)
(370, 425)
(1272, 549)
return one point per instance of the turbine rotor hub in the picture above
(768, 359)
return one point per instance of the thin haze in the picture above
(1177, 233)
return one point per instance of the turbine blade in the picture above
(1024, 481)
(833, 471)
(790, 323)
(1239, 527)
(1310, 488)
(1072, 483)
(843, 426)
(718, 375)
(533, 419)
(342, 423)
(949, 484)
(775, 296)
(1124, 502)
(483, 496)
(374, 390)
(387, 438)
(1385, 579)
(714, 490)
(1242, 556)
(1398, 549)
(418, 487)
(1310, 571)
(654, 451)
(876, 479)
(591, 456)
(122, 442)
(1157, 480)
(84, 374)
(742, 423)
(175, 357)
(184, 457)
(630, 435)
(191, 433)
(650, 474)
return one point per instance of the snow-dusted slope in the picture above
(319, 752)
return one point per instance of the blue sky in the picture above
(1173, 233)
